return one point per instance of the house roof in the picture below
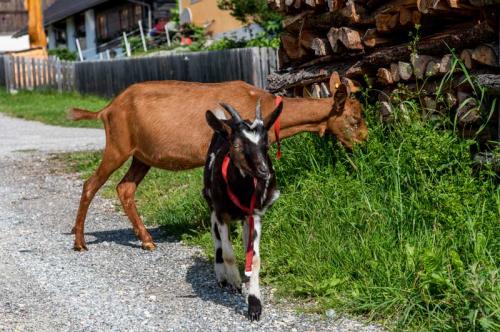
(62, 9)
(65, 8)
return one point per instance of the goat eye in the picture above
(236, 146)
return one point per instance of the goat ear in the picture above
(217, 124)
(340, 97)
(271, 118)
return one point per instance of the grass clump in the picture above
(402, 230)
(50, 107)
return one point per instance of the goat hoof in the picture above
(222, 284)
(149, 246)
(73, 231)
(235, 289)
(79, 247)
(254, 308)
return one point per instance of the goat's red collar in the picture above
(247, 210)
(277, 128)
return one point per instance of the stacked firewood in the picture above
(374, 38)
(386, 45)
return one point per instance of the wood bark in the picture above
(344, 38)
(490, 81)
(384, 76)
(485, 55)
(457, 37)
(405, 70)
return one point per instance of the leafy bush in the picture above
(63, 54)
(264, 40)
(225, 43)
(135, 44)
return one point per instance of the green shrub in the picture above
(63, 54)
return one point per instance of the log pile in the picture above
(386, 45)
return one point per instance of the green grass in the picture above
(402, 230)
(49, 107)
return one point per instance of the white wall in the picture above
(7, 43)
(246, 33)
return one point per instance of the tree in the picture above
(253, 10)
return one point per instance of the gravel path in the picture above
(115, 286)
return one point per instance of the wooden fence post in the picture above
(58, 75)
(168, 35)
(127, 45)
(142, 36)
(7, 71)
(80, 54)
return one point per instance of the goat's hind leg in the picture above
(111, 160)
(126, 192)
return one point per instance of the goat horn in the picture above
(258, 111)
(234, 114)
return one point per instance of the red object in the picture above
(160, 26)
(247, 210)
(186, 41)
(277, 124)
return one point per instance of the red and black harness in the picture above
(250, 210)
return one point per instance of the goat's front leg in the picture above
(220, 271)
(232, 274)
(254, 298)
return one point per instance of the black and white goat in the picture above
(240, 184)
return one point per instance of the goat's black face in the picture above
(249, 142)
(249, 148)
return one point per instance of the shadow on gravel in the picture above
(202, 278)
(125, 237)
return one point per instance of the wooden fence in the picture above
(22, 73)
(109, 77)
(2, 71)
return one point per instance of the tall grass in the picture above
(402, 230)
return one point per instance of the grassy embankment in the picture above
(401, 230)
(49, 107)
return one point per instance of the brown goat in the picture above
(162, 124)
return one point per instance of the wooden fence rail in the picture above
(108, 78)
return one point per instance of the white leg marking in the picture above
(254, 288)
(220, 271)
(232, 273)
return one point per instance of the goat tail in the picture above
(81, 114)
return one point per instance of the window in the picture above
(124, 19)
(102, 30)
(137, 13)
